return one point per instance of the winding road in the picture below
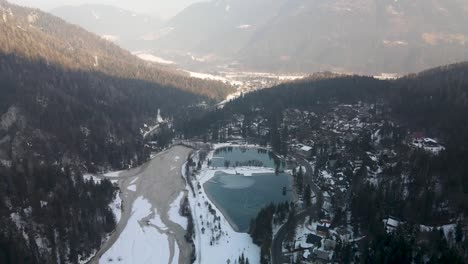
(277, 256)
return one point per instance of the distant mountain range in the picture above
(362, 36)
(130, 30)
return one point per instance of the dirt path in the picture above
(160, 182)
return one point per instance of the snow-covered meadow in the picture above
(143, 239)
(174, 215)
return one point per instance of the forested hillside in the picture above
(436, 99)
(34, 35)
(72, 117)
(71, 102)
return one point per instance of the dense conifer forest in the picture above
(88, 116)
(54, 206)
(70, 103)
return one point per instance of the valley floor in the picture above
(150, 229)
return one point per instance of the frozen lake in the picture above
(240, 198)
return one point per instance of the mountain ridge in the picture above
(75, 48)
(365, 37)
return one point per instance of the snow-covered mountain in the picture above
(366, 36)
(128, 29)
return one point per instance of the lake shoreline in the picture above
(221, 209)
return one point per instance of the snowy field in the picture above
(113, 174)
(96, 179)
(90, 177)
(132, 188)
(152, 58)
(174, 215)
(142, 240)
(207, 76)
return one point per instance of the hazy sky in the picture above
(163, 8)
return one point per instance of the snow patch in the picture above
(157, 221)
(90, 177)
(96, 61)
(132, 188)
(326, 174)
(206, 76)
(5, 163)
(159, 117)
(139, 242)
(113, 173)
(152, 58)
(111, 38)
(32, 18)
(174, 215)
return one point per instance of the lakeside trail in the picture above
(160, 182)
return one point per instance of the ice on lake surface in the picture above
(234, 182)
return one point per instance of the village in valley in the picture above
(327, 152)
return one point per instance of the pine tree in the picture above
(307, 196)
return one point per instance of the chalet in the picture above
(428, 144)
(391, 224)
(358, 164)
(305, 151)
(326, 222)
(322, 230)
(341, 182)
(432, 145)
(314, 239)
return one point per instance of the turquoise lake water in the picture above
(241, 197)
